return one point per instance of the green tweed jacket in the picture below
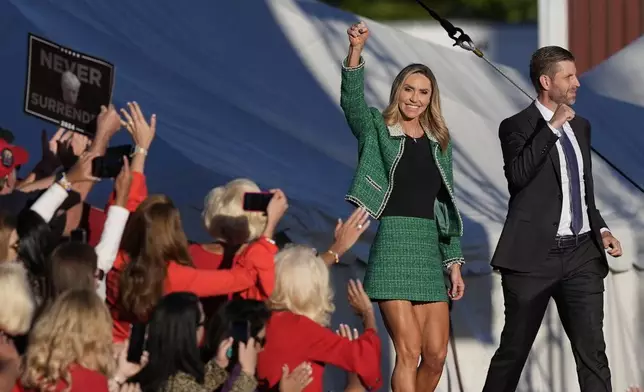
(380, 148)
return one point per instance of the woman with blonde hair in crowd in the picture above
(404, 179)
(16, 314)
(70, 347)
(240, 236)
(298, 330)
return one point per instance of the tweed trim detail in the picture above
(450, 191)
(390, 189)
(396, 130)
(447, 264)
(357, 67)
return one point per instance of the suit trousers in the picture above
(574, 277)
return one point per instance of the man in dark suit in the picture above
(553, 241)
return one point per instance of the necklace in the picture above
(415, 139)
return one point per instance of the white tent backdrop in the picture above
(252, 89)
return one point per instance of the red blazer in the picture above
(204, 259)
(82, 380)
(258, 257)
(292, 339)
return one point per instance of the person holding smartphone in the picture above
(404, 179)
(242, 221)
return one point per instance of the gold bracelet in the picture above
(335, 255)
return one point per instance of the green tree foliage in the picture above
(510, 11)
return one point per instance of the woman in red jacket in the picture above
(234, 230)
(297, 332)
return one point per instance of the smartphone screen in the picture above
(137, 342)
(257, 201)
(110, 164)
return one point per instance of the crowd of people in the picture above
(71, 307)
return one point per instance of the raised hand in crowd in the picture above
(46, 167)
(248, 356)
(50, 161)
(360, 302)
(122, 184)
(353, 381)
(108, 123)
(69, 147)
(82, 169)
(275, 211)
(296, 380)
(63, 149)
(346, 235)
(142, 132)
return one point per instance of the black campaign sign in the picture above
(66, 87)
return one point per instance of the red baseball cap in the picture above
(11, 157)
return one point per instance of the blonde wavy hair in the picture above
(302, 284)
(18, 303)
(224, 206)
(432, 118)
(75, 330)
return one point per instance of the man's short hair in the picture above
(545, 62)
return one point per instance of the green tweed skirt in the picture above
(405, 262)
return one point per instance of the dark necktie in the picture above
(572, 166)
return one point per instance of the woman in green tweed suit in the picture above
(404, 179)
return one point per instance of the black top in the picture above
(417, 181)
